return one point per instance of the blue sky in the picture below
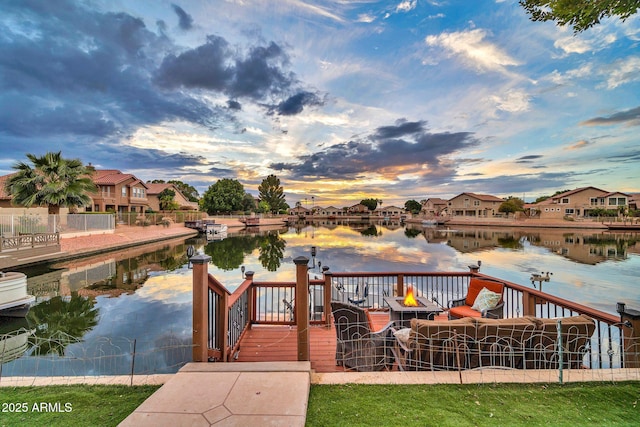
(342, 100)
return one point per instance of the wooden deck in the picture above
(264, 343)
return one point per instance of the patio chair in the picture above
(357, 346)
(470, 307)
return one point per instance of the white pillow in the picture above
(486, 300)
(402, 335)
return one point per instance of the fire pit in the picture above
(402, 309)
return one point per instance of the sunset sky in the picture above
(341, 99)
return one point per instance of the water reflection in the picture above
(141, 297)
(60, 322)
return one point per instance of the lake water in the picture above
(93, 314)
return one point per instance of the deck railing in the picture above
(275, 303)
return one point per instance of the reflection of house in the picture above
(582, 247)
(390, 212)
(154, 191)
(434, 207)
(119, 192)
(474, 205)
(580, 203)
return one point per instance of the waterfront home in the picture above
(119, 192)
(154, 191)
(579, 203)
(391, 212)
(434, 206)
(474, 205)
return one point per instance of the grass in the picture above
(602, 404)
(70, 405)
(475, 405)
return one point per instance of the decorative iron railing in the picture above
(274, 303)
(29, 241)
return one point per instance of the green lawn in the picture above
(592, 404)
(73, 405)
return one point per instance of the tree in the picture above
(187, 190)
(271, 191)
(371, 204)
(226, 195)
(580, 14)
(413, 206)
(53, 181)
(167, 202)
(512, 205)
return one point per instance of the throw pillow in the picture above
(402, 335)
(486, 300)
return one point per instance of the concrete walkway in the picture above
(229, 394)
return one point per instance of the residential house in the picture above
(153, 194)
(300, 211)
(358, 209)
(434, 207)
(579, 203)
(390, 212)
(119, 192)
(474, 205)
(329, 211)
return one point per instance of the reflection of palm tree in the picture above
(272, 251)
(412, 233)
(60, 322)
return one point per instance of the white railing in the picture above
(17, 225)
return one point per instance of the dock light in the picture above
(620, 307)
(190, 252)
(313, 251)
(242, 270)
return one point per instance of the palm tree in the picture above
(53, 181)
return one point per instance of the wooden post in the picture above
(528, 304)
(200, 307)
(630, 320)
(327, 297)
(302, 307)
(400, 286)
(251, 300)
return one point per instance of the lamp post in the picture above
(190, 252)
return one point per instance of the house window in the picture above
(124, 191)
(622, 201)
(476, 203)
(593, 201)
(466, 203)
(568, 211)
(564, 201)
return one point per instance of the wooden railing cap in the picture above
(301, 260)
(200, 259)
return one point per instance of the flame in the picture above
(409, 299)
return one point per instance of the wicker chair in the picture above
(357, 346)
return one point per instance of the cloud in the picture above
(630, 117)
(473, 50)
(513, 101)
(529, 159)
(296, 103)
(406, 6)
(622, 72)
(389, 150)
(579, 145)
(185, 20)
